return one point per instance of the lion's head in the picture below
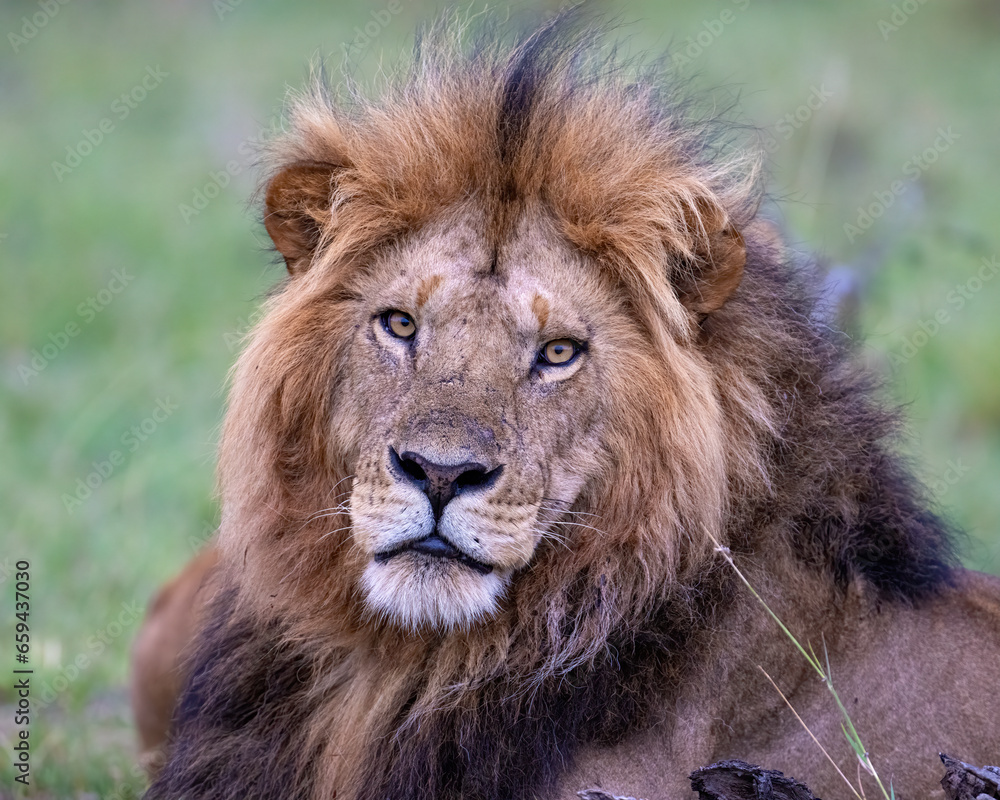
(484, 374)
(491, 387)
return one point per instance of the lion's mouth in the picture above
(436, 546)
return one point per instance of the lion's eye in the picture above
(399, 324)
(559, 352)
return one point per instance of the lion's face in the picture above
(478, 391)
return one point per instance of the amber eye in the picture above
(559, 352)
(399, 324)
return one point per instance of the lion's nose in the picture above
(441, 482)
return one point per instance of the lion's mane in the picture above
(294, 691)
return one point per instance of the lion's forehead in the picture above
(459, 283)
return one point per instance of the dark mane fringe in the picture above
(850, 504)
(513, 740)
(244, 680)
(813, 458)
(238, 723)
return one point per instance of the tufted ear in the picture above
(297, 208)
(709, 278)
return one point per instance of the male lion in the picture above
(536, 354)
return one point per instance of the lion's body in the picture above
(915, 681)
(535, 355)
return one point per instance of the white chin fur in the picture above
(416, 591)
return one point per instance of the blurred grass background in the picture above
(122, 309)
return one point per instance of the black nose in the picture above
(441, 482)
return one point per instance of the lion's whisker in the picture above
(345, 506)
(552, 536)
(566, 511)
(582, 525)
(330, 533)
(323, 513)
(333, 512)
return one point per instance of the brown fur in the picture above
(614, 646)
(159, 651)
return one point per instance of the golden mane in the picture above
(629, 181)
(713, 436)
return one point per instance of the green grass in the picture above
(191, 284)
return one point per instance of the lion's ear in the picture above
(709, 279)
(297, 208)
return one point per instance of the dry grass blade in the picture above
(811, 734)
(847, 726)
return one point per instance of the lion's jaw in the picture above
(466, 399)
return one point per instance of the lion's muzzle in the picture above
(441, 482)
(436, 546)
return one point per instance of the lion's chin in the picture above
(415, 592)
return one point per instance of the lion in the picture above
(537, 369)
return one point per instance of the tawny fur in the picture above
(506, 196)
(159, 652)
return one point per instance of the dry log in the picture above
(737, 780)
(963, 781)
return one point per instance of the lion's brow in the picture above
(427, 287)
